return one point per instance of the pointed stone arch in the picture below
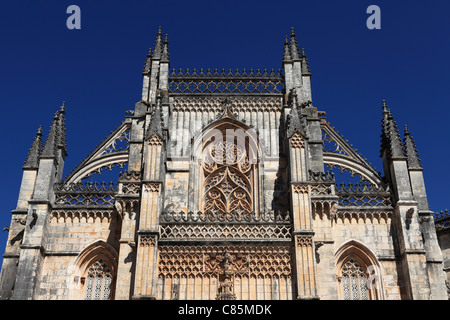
(358, 272)
(229, 131)
(98, 252)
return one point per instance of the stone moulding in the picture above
(364, 216)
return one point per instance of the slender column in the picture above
(305, 267)
(127, 205)
(150, 206)
(145, 285)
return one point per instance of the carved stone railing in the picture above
(322, 183)
(363, 195)
(228, 217)
(225, 226)
(89, 194)
(130, 176)
(129, 183)
(442, 220)
(226, 82)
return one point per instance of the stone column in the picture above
(127, 204)
(301, 214)
(151, 202)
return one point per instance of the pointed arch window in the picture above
(98, 281)
(354, 281)
(228, 177)
(358, 273)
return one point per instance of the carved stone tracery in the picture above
(233, 272)
(227, 178)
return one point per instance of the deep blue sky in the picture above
(97, 70)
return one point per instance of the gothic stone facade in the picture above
(227, 192)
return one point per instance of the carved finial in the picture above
(62, 109)
(406, 130)
(61, 131)
(157, 50)
(287, 51)
(384, 105)
(305, 64)
(294, 46)
(165, 49)
(226, 111)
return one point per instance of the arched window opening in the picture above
(98, 281)
(354, 281)
(358, 273)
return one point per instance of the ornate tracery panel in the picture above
(208, 272)
(358, 273)
(354, 281)
(228, 177)
(98, 281)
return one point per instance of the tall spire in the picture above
(158, 45)
(286, 52)
(61, 133)
(165, 49)
(396, 143)
(411, 151)
(147, 63)
(390, 136)
(294, 46)
(49, 150)
(384, 121)
(305, 65)
(32, 161)
(384, 128)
